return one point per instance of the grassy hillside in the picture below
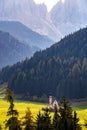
(35, 108)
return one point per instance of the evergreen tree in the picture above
(66, 115)
(67, 120)
(39, 121)
(76, 125)
(56, 120)
(47, 120)
(86, 123)
(43, 121)
(28, 120)
(12, 123)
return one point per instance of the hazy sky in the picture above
(49, 3)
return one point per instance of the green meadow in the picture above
(35, 108)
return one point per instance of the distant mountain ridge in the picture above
(63, 19)
(12, 50)
(29, 13)
(69, 16)
(25, 35)
(60, 70)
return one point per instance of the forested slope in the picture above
(60, 70)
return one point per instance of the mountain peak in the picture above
(65, 17)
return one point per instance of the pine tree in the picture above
(76, 125)
(68, 121)
(43, 121)
(28, 120)
(66, 115)
(56, 120)
(47, 120)
(12, 123)
(39, 121)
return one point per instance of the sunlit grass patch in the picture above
(21, 107)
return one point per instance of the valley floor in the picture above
(21, 106)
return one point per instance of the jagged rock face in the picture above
(31, 14)
(69, 16)
(14, 8)
(63, 19)
(70, 11)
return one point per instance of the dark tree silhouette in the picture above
(28, 120)
(12, 123)
(56, 120)
(85, 123)
(76, 125)
(68, 121)
(43, 121)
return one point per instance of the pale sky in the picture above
(49, 3)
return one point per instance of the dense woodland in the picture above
(60, 70)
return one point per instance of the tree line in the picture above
(63, 119)
(60, 70)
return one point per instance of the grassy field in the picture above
(20, 107)
(35, 108)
